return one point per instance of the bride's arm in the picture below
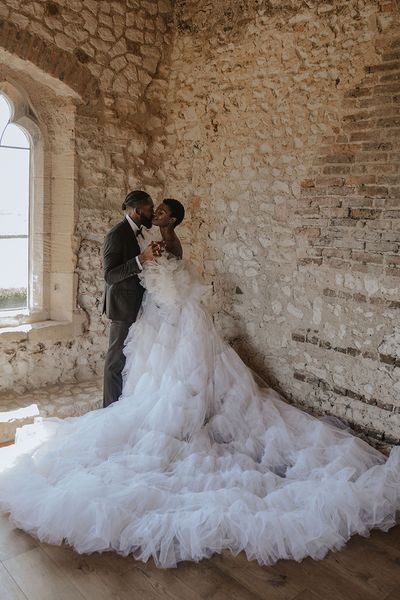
(174, 247)
(172, 244)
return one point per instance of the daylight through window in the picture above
(14, 210)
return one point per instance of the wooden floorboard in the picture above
(9, 589)
(13, 541)
(366, 569)
(374, 568)
(210, 583)
(307, 595)
(264, 582)
(394, 595)
(39, 577)
(168, 581)
(389, 539)
(107, 575)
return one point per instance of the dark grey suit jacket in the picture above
(123, 292)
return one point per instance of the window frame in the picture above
(52, 210)
(23, 115)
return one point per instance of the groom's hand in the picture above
(147, 254)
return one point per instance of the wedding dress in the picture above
(195, 457)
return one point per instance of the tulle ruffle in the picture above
(195, 457)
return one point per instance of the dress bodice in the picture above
(173, 281)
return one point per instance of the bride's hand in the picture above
(158, 248)
(148, 255)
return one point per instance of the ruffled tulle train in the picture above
(195, 457)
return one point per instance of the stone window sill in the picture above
(37, 332)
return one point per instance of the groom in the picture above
(123, 260)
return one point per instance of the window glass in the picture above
(14, 211)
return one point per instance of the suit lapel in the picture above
(129, 236)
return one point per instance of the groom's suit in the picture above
(122, 299)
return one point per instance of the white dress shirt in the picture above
(139, 238)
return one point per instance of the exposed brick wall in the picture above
(349, 222)
(350, 208)
(283, 140)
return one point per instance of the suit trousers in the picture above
(115, 362)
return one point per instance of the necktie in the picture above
(139, 232)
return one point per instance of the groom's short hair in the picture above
(136, 199)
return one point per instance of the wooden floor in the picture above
(367, 569)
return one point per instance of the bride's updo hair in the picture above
(176, 208)
(136, 199)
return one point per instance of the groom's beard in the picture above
(148, 223)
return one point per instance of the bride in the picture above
(194, 458)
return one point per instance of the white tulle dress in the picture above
(195, 457)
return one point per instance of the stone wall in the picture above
(283, 139)
(114, 55)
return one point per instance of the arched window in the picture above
(24, 201)
(15, 172)
(37, 209)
